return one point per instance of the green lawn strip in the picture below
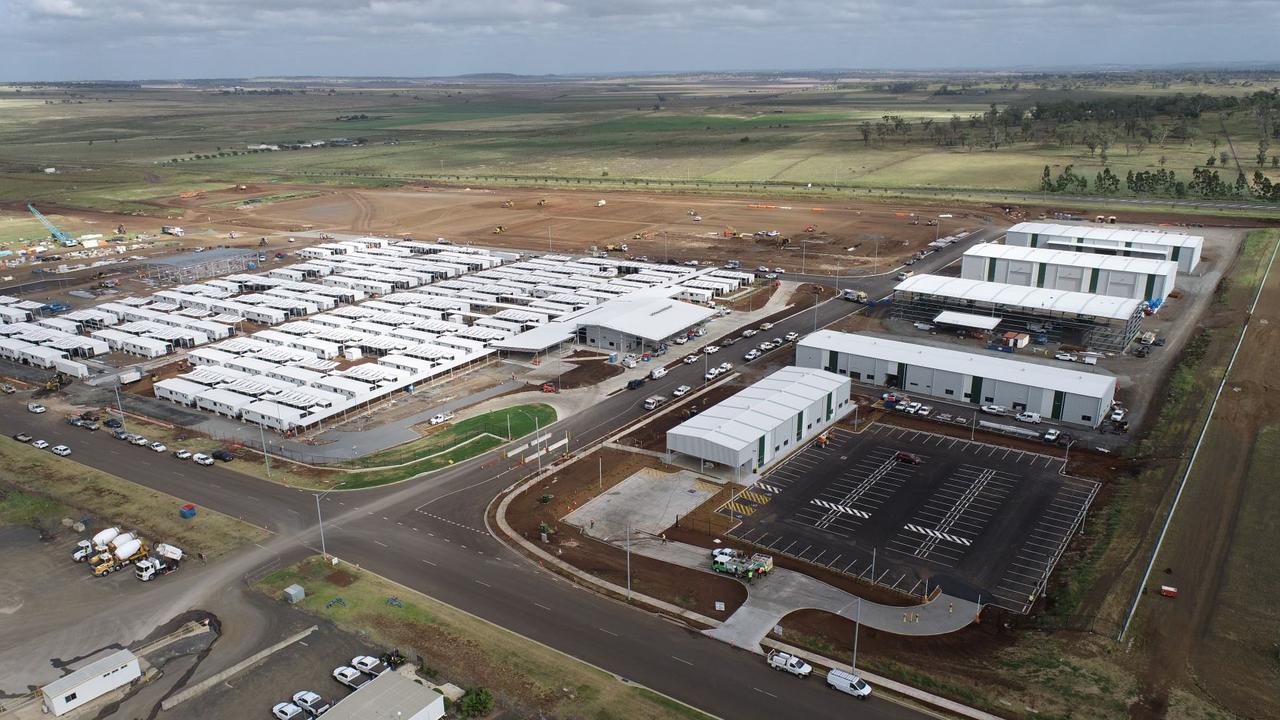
(522, 422)
(21, 508)
(111, 500)
(527, 678)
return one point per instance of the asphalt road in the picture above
(430, 534)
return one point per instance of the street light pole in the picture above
(853, 666)
(628, 562)
(266, 459)
(323, 550)
(121, 407)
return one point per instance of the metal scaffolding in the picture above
(1096, 333)
(165, 273)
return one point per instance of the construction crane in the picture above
(57, 234)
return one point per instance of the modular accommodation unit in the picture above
(223, 402)
(178, 390)
(1055, 391)
(90, 682)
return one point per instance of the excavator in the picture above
(542, 202)
(508, 204)
(500, 229)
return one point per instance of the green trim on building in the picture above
(1059, 400)
(1040, 273)
(1151, 287)
(1176, 252)
(1094, 276)
(975, 390)
(832, 360)
(991, 269)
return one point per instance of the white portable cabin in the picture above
(178, 390)
(272, 415)
(71, 367)
(344, 386)
(223, 402)
(40, 356)
(13, 315)
(90, 682)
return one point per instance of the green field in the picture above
(118, 149)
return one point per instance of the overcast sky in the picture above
(136, 39)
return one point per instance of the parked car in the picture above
(847, 682)
(681, 391)
(75, 421)
(368, 665)
(711, 374)
(120, 434)
(61, 450)
(766, 346)
(36, 408)
(40, 444)
(350, 677)
(159, 447)
(995, 409)
(311, 702)
(1068, 357)
(763, 268)
(726, 367)
(1051, 435)
(138, 440)
(635, 384)
(22, 437)
(90, 425)
(787, 662)
(1118, 414)
(680, 340)
(1028, 417)
(202, 459)
(779, 271)
(711, 349)
(909, 458)
(749, 332)
(1142, 352)
(690, 359)
(440, 418)
(287, 711)
(182, 454)
(768, 325)
(223, 455)
(112, 423)
(8, 389)
(771, 276)
(791, 336)
(912, 408)
(924, 411)
(752, 354)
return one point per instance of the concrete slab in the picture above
(648, 502)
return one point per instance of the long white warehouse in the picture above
(1136, 278)
(1180, 248)
(1060, 393)
(762, 424)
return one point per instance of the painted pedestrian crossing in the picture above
(939, 535)
(840, 508)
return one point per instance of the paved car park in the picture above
(916, 510)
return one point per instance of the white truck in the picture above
(652, 403)
(173, 230)
(165, 558)
(86, 549)
(787, 662)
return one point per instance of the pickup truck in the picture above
(786, 662)
(440, 418)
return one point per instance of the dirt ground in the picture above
(577, 484)
(588, 371)
(847, 236)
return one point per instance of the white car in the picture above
(1052, 435)
(36, 408)
(350, 677)
(62, 450)
(712, 374)
(311, 702)
(924, 411)
(440, 418)
(1118, 414)
(1069, 357)
(767, 326)
(771, 276)
(182, 454)
(766, 346)
(763, 268)
(749, 332)
(680, 391)
(791, 336)
(690, 359)
(786, 662)
(287, 711)
(752, 354)
(202, 459)
(1028, 417)
(159, 447)
(726, 367)
(371, 666)
(913, 408)
(39, 444)
(138, 440)
(779, 271)
(711, 349)
(995, 409)
(680, 340)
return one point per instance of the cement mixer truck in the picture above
(124, 554)
(164, 559)
(86, 549)
(101, 554)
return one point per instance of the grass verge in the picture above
(527, 678)
(48, 481)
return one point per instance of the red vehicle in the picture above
(906, 457)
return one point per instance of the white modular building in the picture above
(1129, 277)
(1154, 243)
(90, 682)
(762, 424)
(1057, 392)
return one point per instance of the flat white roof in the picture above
(1021, 296)
(185, 387)
(387, 697)
(982, 322)
(226, 397)
(986, 365)
(1110, 233)
(1045, 256)
(649, 314)
(67, 683)
(739, 420)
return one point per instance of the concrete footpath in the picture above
(782, 592)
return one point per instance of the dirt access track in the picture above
(846, 235)
(1223, 627)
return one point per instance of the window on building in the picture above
(1087, 418)
(776, 448)
(949, 391)
(915, 384)
(990, 399)
(69, 698)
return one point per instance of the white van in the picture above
(847, 682)
(1028, 417)
(658, 372)
(654, 402)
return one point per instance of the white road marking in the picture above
(379, 542)
(686, 662)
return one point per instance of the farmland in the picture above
(122, 148)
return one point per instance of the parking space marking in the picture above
(939, 535)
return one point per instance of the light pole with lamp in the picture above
(121, 407)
